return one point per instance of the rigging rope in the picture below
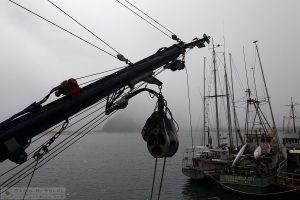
(64, 29)
(144, 19)
(30, 179)
(190, 113)
(86, 76)
(153, 181)
(162, 177)
(149, 17)
(7, 186)
(126, 60)
(238, 75)
(52, 148)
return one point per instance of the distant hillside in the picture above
(122, 123)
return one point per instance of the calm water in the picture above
(118, 166)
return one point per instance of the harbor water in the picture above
(105, 166)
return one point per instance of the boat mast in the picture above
(249, 94)
(204, 101)
(228, 105)
(216, 96)
(283, 124)
(265, 84)
(236, 125)
(293, 113)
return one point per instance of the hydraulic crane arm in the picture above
(15, 135)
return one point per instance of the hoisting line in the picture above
(153, 178)
(162, 177)
(34, 169)
(190, 113)
(125, 59)
(144, 19)
(149, 17)
(63, 29)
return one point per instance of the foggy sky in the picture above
(36, 56)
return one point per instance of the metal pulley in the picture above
(160, 134)
(154, 133)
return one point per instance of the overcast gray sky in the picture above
(35, 56)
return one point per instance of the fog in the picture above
(36, 56)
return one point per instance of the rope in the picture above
(238, 75)
(154, 174)
(85, 110)
(84, 27)
(144, 19)
(63, 29)
(149, 17)
(99, 73)
(162, 177)
(54, 146)
(190, 113)
(80, 119)
(30, 179)
(24, 173)
(250, 193)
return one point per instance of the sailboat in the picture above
(254, 169)
(200, 162)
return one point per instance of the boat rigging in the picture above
(16, 133)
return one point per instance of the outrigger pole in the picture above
(16, 133)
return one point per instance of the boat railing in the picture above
(285, 178)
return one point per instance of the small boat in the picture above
(200, 162)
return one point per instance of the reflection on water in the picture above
(210, 190)
(204, 189)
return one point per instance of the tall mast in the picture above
(228, 105)
(283, 124)
(204, 107)
(249, 94)
(293, 113)
(265, 84)
(236, 128)
(216, 97)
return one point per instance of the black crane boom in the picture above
(16, 134)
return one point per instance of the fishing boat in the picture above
(254, 169)
(200, 162)
(289, 137)
(288, 173)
